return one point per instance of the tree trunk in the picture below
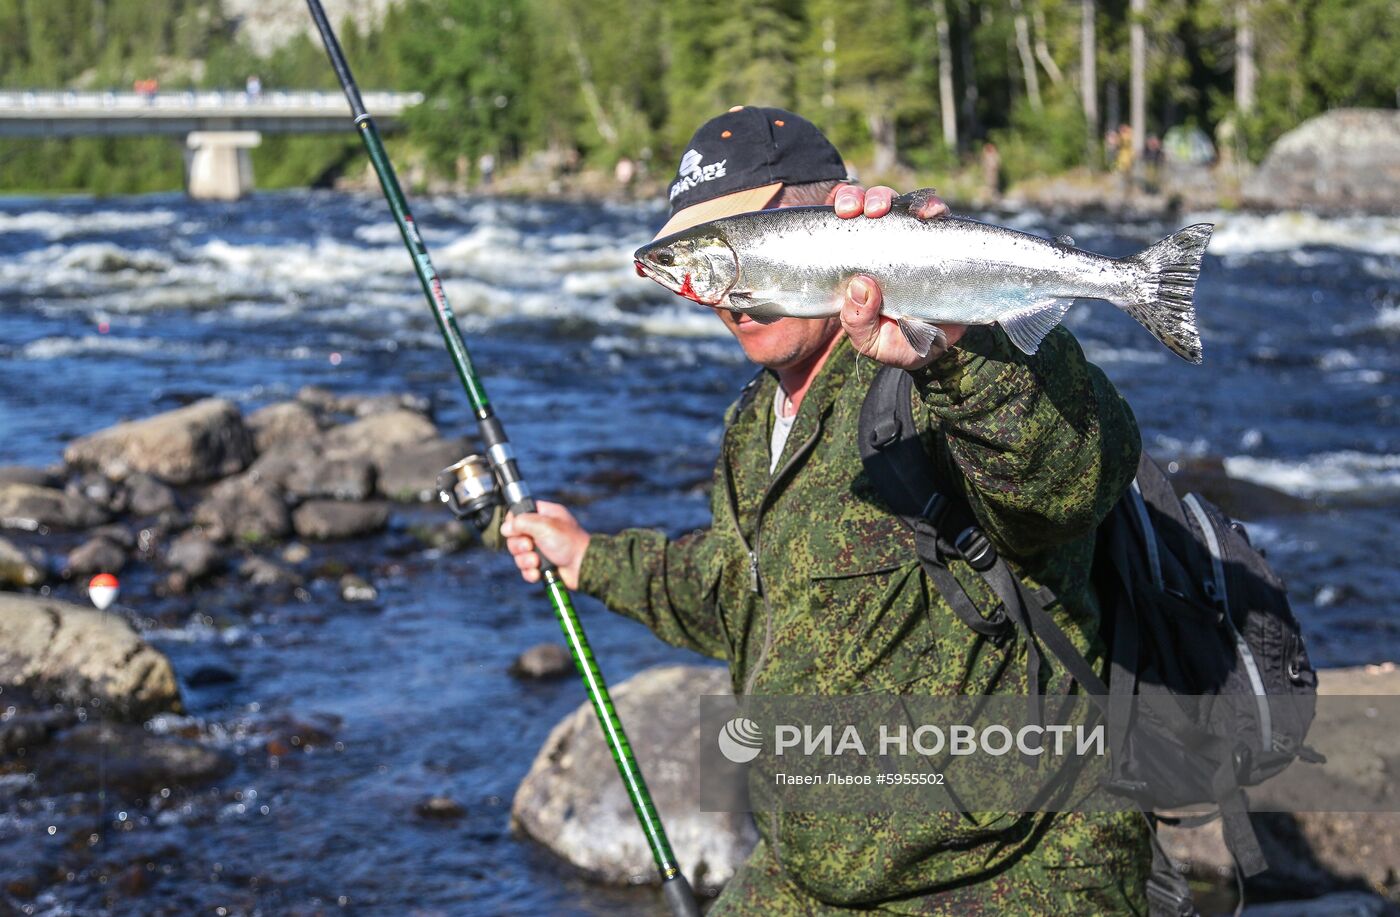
(1088, 77)
(969, 70)
(1244, 58)
(1023, 48)
(1137, 91)
(1042, 49)
(881, 126)
(828, 62)
(947, 107)
(605, 127)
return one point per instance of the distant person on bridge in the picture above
(253, 88)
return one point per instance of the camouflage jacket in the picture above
(807, 584)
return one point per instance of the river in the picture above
(613, 392)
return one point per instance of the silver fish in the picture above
(796, 262)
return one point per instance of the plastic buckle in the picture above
(976, 548)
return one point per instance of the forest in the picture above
(915, 84)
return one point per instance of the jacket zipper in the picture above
(755, 579)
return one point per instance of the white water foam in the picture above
(56, 226)
(1327, 474)
(1249, 233)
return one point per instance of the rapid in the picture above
(613, 391)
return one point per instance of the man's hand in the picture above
(873, 334)
(555, 533)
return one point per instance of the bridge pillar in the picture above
(218, 167)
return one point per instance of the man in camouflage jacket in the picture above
(807, 584)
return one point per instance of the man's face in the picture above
(784, 343)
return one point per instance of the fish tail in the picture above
(1166, 287)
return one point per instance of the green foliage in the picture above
(1045, 142)
(595, 80)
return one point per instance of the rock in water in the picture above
(125, 758)
(25, 506)
(379, 436)
(334, 479)
(149, 497)
(327, 519)
(572, 801)
(357, 589)
(245, 509)
(21, 567)
(200, 442)
(23, 474)
(73, 654)
(442, 808)
(1344, 160)
(409, 473)
(98, 555)
(194, 555)
(543, 661)
(284, 422)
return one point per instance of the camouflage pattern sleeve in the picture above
(668, 585)
(1043, 445)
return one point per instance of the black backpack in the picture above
(1191, 612)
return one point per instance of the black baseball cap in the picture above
(737, 162)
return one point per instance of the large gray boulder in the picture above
(1344, 160)
(573, 803)
(199, 442)
(26, 506)
(67, 653)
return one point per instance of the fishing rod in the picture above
(475, 487)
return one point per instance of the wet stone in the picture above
(125, 758)
(284, 422)
(296, 553)
(326, 520)
(25, 506)
(543, 661)
(442, 808)
(199, 442)
(335, 479)
(259, 571)
(21, 566)
(194, 555)
(357, 589)
(147, 496)
(97, 555)
(99, 489)
(244, 509)
(23, 474)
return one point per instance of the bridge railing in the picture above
(270, 102)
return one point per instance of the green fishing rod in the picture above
(475, 486)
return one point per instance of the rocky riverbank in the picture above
(1323, 863)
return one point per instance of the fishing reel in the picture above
(471, 491)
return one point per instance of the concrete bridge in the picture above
(219, 127)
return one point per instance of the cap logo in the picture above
(691, 173)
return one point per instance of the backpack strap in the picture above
(898, 465)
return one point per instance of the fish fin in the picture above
(1028, 327)
(1164, 304)
(913, 201)
(746, 301)
(921, 335)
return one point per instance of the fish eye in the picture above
(665, 258)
